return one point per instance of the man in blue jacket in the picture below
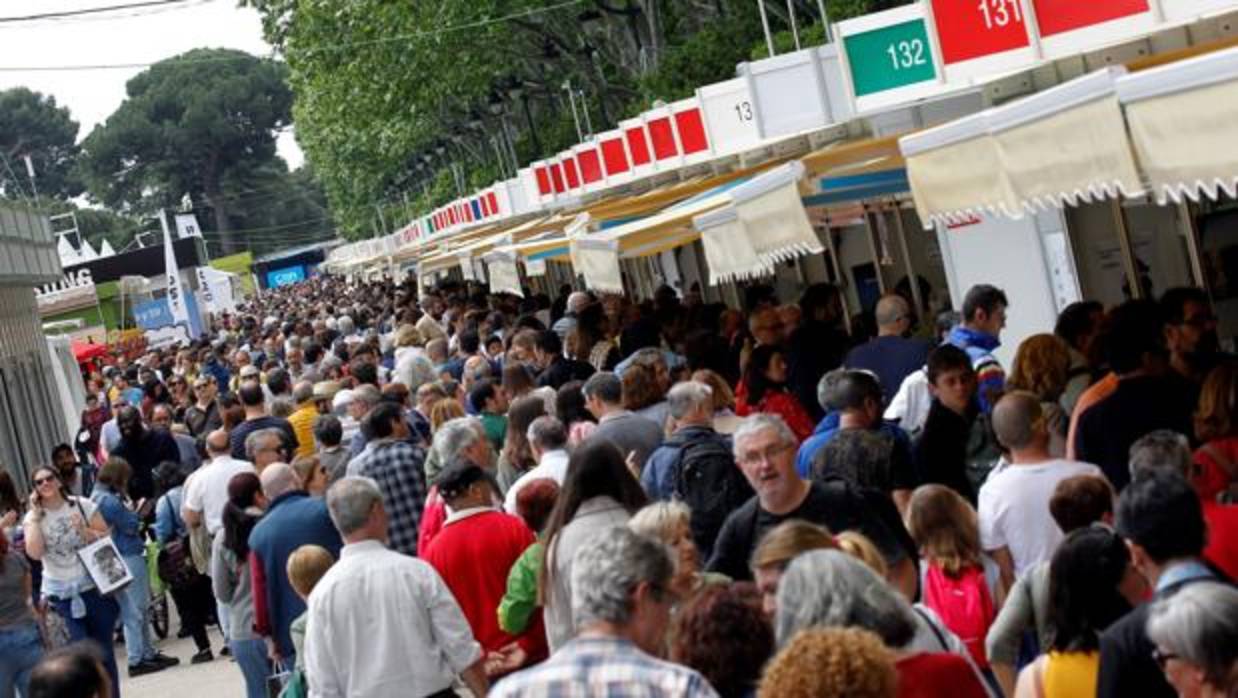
(293, 519)
(984, 317)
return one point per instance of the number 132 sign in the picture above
(889, 57)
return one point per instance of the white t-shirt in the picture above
(61, 540)
(1014, 509)
(207, 490)
(553, 465)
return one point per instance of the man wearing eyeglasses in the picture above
(203, 416)
(1190, 333)
(765, 452)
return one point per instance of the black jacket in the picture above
(1126, 664)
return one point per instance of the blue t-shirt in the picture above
(891, 358)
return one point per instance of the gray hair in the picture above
(850, 388)
(683, 398)
(256, 438)
(367, 393)
(279, 479)
(282, 407)
(345, 325)
(454, 436)
(547, 433)
(605, 386)
(1160, 451)
(350, 501)
(829, 588)
(606, 570)
(825, 388)
(757, 423)
(1194, 625)
(303, 392)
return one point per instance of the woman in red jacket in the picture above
(764, 389)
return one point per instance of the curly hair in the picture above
(722, 633)
(825, 663)
(1041, 366)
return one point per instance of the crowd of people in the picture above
(375, 491)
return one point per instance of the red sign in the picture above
(1059, 16)
(691, 131)
(543, 180)
(970, 29)
(556, 176)
(569, 170)
(638, 144)
(492, 202)
(590, 166)
(663, 138)
(614, 156)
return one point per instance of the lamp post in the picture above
(571, 95)
(769, 38)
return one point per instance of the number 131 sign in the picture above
(981, 37)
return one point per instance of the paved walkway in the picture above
(218, 679)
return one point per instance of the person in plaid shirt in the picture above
(621, 599)
(397, 466)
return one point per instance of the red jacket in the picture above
(781, 403)
(473, 554)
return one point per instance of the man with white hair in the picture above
(696, 464)
(548, 441)
(576, 303)
(622, 605)
(293, 518)
(364, 398)
(368, 645)
(463, 437)
(765, 452)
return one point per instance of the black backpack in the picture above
(709, 482)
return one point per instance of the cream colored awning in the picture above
(1061, 146)
(1183, 120)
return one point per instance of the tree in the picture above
(189, 125)
(31, 124)
(391, 96)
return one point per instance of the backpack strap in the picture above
(941, 639)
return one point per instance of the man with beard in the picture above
(144, 449)
(1190, 333)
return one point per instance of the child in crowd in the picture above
(306, 565)
(956, 448)
(958, 582)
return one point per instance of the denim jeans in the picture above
(251, 657)
(135, 612)
(99, 625)
(20, 649)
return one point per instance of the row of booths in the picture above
(1098, 172)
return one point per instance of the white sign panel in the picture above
(730, 116)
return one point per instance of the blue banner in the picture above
(285, 276)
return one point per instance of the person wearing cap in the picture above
(324, 393)
(203, 417)
(473, 553)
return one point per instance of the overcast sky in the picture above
(128, 36)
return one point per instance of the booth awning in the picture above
(1183, 120)
(1061, 146)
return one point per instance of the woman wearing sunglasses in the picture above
(56, 527)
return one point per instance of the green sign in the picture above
(890, 57)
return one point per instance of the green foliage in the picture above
(193, 128)
(391, 95)
(32, 124)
